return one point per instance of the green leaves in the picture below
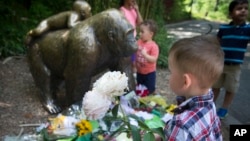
(148, 133)
(160, 132)
(142, 132)
(135, 133)
(149, 137)
(115, 110)
(140, 122)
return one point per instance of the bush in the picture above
(164, 44)
(17, 21)
(12, 41)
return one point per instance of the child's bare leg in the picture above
(228, 99)
(216, 92)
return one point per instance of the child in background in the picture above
(234, 38)
(194, 64)
(131, 12)
(147, 55)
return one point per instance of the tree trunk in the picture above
(216, 5)
(191, 8)
(147, 10)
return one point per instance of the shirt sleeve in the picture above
(174, 132)
(155, 50)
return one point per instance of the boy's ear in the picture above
(229, 15)
(152, 34)
(187, 80)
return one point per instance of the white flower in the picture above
(95, 105)
(111, 84)
(97, 102)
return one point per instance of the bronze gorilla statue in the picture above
(103, 41)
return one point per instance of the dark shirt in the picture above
(234, 40)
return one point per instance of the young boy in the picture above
(234, 38)
(147, 55)
(194, 64)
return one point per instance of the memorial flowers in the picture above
(95, 105)
(111, 84)
(102, 116)
(97, 102)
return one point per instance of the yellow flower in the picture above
(170, 108)
(100, 137)
(84, 127)
(81, 132)
(88, 126)
(79, 126)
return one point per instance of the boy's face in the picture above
(176, 78)
(240, 13)
(145, 33)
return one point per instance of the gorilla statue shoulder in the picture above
(73, 56)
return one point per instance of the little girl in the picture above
(147, 55)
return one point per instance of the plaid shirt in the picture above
(195, 120)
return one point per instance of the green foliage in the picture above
(135, 133)
(180, 11)
(39, 11)
(198, 9)
(11, 41)
(138, 133)
(18, 20)
(164, 44)
(11, 31)
(99, 6)
(221, 14)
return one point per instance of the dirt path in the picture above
(19, 96)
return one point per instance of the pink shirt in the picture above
(131, 16)
(142, 65)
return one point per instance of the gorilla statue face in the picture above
(129, 45)
(121, 33)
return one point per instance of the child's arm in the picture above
(149, 58)
(73, 19)
(139, 19)
(218, 38)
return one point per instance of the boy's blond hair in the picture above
(201, 56)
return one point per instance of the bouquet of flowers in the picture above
(102, 116)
